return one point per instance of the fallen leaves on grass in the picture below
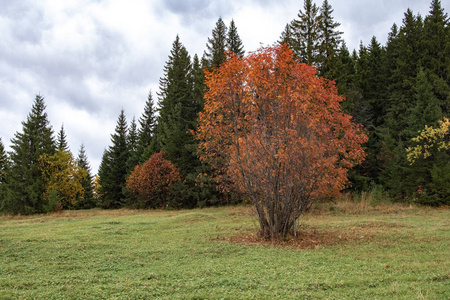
(307, 238)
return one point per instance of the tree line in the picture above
(393, 90)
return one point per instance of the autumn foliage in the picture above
(62, 179)
(152, 179)
(276, 129)
(430, 139)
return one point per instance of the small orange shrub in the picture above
(151, 181)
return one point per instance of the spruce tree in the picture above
(199, 86)
(425, 109)
(346, 82)
(87, 201)
(146, 132)
(3, 173)
(344, 71)
(409, 48)
(104, 179)
(178, 109)
(375, 92)
(113, 168)
(306, 33)
(216, 46)
(3, 162)
(234, 42)
(436, 58)
(25, 183)
(404, 52)
(287, 35)
(362, 82)
(180, 100)
(61, 140)
(133, 146)
(330, 40)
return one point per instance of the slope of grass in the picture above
(214, 254)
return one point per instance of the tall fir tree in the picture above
(178, 109)
(180, 100)
(234, 42)
(344, 71)
(113, 169)
(146, 132)
(362, 82)
(436, 59)
(426, 109)
(405, 51)
(104, 178)
(25, 183)
(61, 140)
(409, 48)
(375, 92)
(3, 162)
(306, 33)
(198, 81)
(287, 35)
(330, 40)
(133, 146)
(3, 172)
(216, 46)
(87, 200)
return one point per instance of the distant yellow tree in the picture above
(62, 175)
(430, 139)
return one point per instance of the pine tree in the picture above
(344, 71)
(133, 146)
(306, 33)
(437, 49)
(362, 82)
(234, 42)
(146, 132)
(404, 52)
(199, 86)
(216, 46)
(287, 35)
(104, 178)
(426, 110)
(180, 100)
(61, 141)
(87, 201)
(3, 162)
(330, 40)
(408, 53)
(25, 186)
(3, 173)
(375, 92)
(346, 82)
(178, 109)
(113, 169)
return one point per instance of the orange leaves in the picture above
(280, 129)
(156, 175)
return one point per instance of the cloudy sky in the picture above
(91, 58)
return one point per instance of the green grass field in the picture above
(389, 253)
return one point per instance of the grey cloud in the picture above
(195, 13)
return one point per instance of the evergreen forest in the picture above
(398, 92)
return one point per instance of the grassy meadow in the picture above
(345, 251)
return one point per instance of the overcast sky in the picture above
(91, 58)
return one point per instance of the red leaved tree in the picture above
(151, 180)
(280, 128)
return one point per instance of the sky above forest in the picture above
(91, 58)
